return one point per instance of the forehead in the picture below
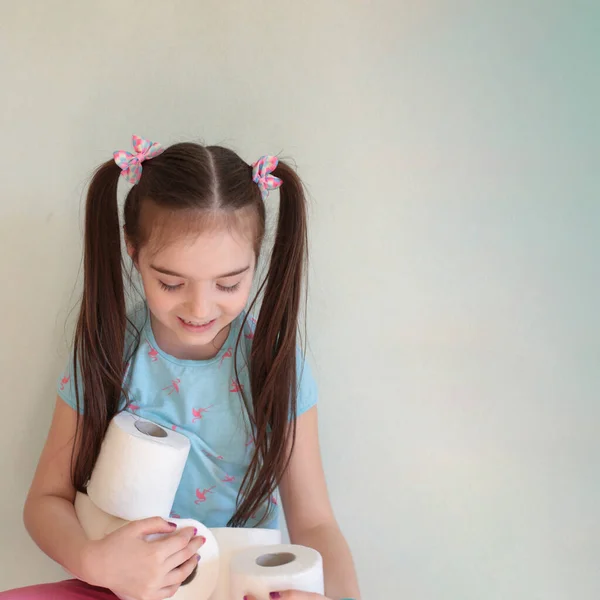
(204, 254)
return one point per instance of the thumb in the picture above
(152, 525)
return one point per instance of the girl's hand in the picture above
(129, 565)
(292, 595)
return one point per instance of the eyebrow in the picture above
(174, 274)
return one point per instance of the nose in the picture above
(200, 304)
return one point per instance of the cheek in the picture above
(158, 300)
(155, 301)
(234, 304)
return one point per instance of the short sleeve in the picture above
(66, 386)
(136, 318)
(307, 386)
(306, 392)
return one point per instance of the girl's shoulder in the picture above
(70, 384)
(307, 389)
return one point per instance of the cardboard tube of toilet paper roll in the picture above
(232, 540)
(259, 571)
(139, 468)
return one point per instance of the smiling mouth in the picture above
(195, 323)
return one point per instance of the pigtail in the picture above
(272, 363)
(100, 332)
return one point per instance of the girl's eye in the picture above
(169, 288)
(229, 289)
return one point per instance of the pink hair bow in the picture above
(261, 174)
(131, 164)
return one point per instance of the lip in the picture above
(196, 328)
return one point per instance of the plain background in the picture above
(450, 150)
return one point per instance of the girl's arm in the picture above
(48, 514)
(122, 561)
(308, 512)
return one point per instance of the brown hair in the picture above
(197, 180)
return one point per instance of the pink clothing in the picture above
(71, 589)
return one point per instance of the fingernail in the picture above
(172, 524)
(195, 531)
(274, 595)
(202, 540)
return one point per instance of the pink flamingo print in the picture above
(174, 428)
(174, 516)
(199, 412)
(64, 382)
(236, 386)
(134, 407)
(212, 455)
(228, 354)
(174, 387)
(152, 353)
(250, 441)
(274, 500)
(228, 478)
(253, 516)
(201, 495)
(250, 334)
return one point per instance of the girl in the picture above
(189, 358)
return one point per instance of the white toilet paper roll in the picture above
(259, 571)
(206, 576)
(232, 540)
(138, 469)
(95, 523)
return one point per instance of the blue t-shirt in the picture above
(201, 400)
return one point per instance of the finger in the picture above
(188, 552)
(176, 542)
(150, 526)
(179, 574)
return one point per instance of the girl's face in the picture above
(195, 288)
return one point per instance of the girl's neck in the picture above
(168, 342)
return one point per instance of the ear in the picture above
(130, 249)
